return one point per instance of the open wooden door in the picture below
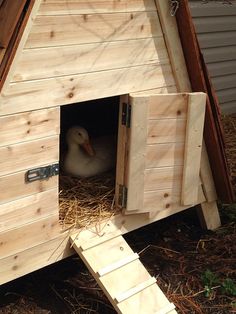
(159, 151)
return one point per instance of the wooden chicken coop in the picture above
(58, 55)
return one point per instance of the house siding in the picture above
(215, 23)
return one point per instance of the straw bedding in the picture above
(86, 201)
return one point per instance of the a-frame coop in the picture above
(59, 54)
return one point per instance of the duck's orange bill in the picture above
(88, 148)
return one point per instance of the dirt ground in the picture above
(196, 269)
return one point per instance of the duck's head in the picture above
(78, 135)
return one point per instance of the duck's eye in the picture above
(79, 134)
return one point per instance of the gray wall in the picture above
(215, 23)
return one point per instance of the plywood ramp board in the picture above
(121, 275)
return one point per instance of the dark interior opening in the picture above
(99, 118)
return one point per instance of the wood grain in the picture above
(166, 131)
(174, 47)
(159, 200)
(28, 155)
(31, 208)
(120, 292)
(206, 177)
(38, 94)
(163, 178)
(193, 148)
(27, 236)
(95, 28)
(62, 7)
(14, 186)
(166, 154)
(27, 261)
(28, 126)
(76, 59)
(171, 106)
(137, 150)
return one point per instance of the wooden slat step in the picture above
(129, 293)
(120, 263)
(148, 301)
(99, 239)
(119, 272)
(166, 309)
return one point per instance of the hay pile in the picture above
(86, 201)
(229, 124)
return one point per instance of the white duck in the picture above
(84, 159)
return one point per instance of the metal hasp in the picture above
(123, 195)
(42, 173)
(126, 114)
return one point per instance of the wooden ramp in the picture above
(121, 275)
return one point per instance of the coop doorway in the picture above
(88, 198)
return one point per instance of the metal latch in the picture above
(123, 195)
(126, 114)
(42, 173)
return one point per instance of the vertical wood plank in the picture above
(206, 177)
(171, 36)
(137, 152)
(209, 215)
(193, 148)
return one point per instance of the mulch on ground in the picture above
(229, 124)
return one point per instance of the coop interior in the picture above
(86, 195)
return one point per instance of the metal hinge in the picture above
(123, 195)
(126, 114)
(42, 173)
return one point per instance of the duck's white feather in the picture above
(78, 163)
